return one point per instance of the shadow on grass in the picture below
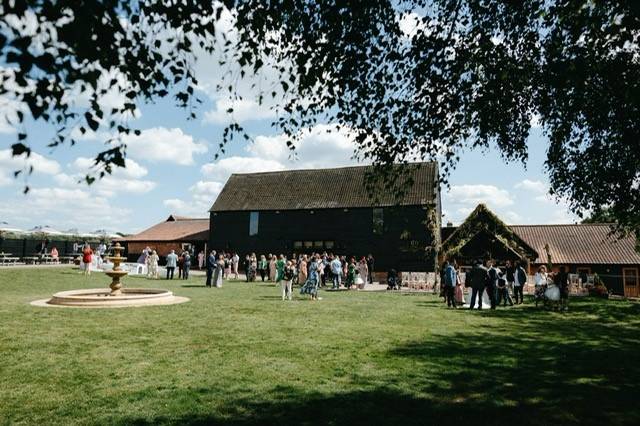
(547, 368)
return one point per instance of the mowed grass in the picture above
(239, 355)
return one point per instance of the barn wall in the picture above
(401, 244)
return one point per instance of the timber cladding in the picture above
(400, 243)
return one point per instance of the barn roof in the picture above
(175, 228)
(323, 188)
(579, 244)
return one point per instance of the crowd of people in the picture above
(310, 272)
(492, 285)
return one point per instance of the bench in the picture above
(9, 260)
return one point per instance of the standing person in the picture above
(363, 270)
(235, 261)
(302, 269)
(287, 278)
(180, 265)
(217, 273)
(541, 277)
(211, 265)
(263, 265)
(153, 265)
(561, 279)
(201, 260)
(227, 265)
(87, 258)
(280, 268)
(478, 283)
(492, 282)
(519, 281)
(311, 286)
(272, 267)
(336, 272)
(172, 261)
(459, 294)
(503, 291)
(186, 265)
(351, 273)
(450, 278)
(245, 266)
(253, 267)
(509, 274)
(370, 266)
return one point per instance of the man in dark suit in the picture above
(478, 283)
(492, 282)
(211, 265)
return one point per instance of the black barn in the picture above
(304, 211)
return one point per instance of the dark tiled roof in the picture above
(175, 228)
(578, 244)
(321, 189)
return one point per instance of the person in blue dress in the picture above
(310, 287)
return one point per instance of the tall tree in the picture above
(413, 79)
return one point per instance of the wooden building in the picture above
(304, 211)
(583, 249)
(176, 233)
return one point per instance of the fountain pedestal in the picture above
(116, 273)
(113, 297)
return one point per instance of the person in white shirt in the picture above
(541, 276)
(519, 280)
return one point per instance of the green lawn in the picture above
(240, 355)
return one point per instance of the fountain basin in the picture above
(102, 298)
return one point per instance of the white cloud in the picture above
(41, 164)
(532, 185)
(159, 144)
(132, 169)
(121, 180)
(65, 208)
(490, 195)
(203, 195)
(222, 169)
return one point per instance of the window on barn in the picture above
(253, 223)
(378, 221)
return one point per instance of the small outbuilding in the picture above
(176, 233)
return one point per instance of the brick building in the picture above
(176, 233)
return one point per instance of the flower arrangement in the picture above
(598, 289)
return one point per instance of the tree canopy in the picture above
(412, 79)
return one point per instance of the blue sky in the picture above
(171, 167)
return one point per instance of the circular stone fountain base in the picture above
(102, 298)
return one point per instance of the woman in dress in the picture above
(253, 267)
(272, 268)
(201, 260)
(153, 265)
(459, 290)
(87, 258)
(310, 287)
(351, 274)
(217, 273)
(541, 278)
(302, 269)
(363, 270)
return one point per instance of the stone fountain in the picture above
(115, 296)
